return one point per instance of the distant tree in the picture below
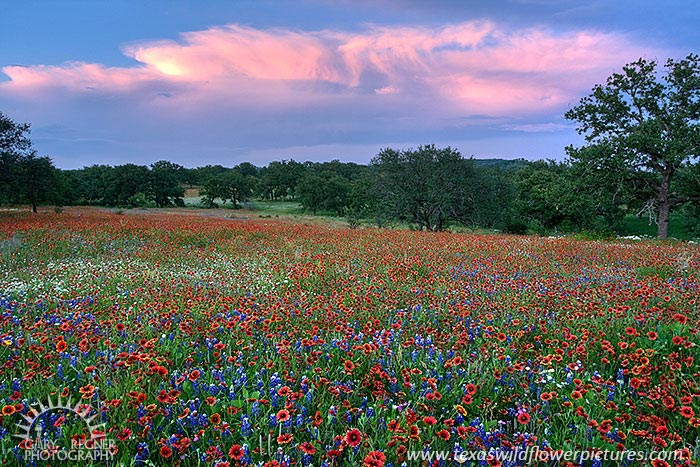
(164, 184)
(68, 187)
(127, 185)
(24, 176)
(324, 191)
(38, 179)
(365, 201)
(94, 184)
(251, 176)
(495, 195)
(558, 195)
(279, 179)
(311, 192)
(427, 186)
(645, 128)
(231, 186)
(200, 175)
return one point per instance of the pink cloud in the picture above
(76, 76)
(474, 67)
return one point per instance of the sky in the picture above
(221, 82)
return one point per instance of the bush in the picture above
(515, 226)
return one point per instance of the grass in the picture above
(633, 225)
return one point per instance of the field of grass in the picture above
(633, 225)
(204, 340)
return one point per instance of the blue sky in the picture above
(204, 82)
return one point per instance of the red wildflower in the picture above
(166, 452)
(374, 459)
(307, 448)
(353, 437)
(524, 418)
(236, 452)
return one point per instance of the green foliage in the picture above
(279, 179)
(427, 186)
(164, 184)
(234, 186)
(325, 192)
(644, 130)
(24, 176)
(556, 195)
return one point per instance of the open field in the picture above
(199, 339)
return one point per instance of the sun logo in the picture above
(80, 410)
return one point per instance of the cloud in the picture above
(474, 66)
(537, 127)
(235, 85)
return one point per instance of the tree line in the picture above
(642, 131)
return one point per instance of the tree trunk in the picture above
(664, 206)
(34, 208)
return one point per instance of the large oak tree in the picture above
(644, 125)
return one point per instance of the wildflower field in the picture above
(199, 340)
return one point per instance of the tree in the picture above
(38, 179)
(164, 184)
(128, 186)
(645, 128)
(280, 179)
(324, 191)
(25, 176)
(427, 186)
(496, 195)
(231, 185)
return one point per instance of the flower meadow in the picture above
(200, 340)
